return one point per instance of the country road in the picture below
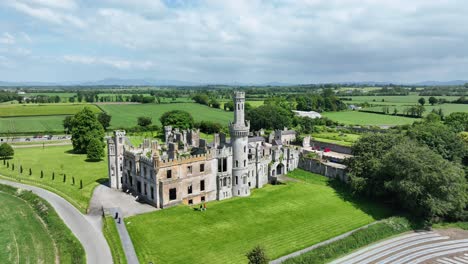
(84, 227)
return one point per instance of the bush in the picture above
(144, 121)
(6, 151)
(257, 256)
(95, 150)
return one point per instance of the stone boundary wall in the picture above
(331, 146)
(318, 167)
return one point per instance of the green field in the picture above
(23, 237)
(43, 109)
(281, 218)
(411, 99)
(344, 139)
(57, 159)
(446, 108)
(362, 118)
(31, 124)
(126, 115)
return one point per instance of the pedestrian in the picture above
(201, 207)
(116, 215)
(204, 206)
(119, 220)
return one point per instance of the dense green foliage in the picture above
(269, 116)
(257, 256)
(104, 119)
(384, 229)
(6, 151)
(144, 121)
(177, 119)
(69, 248)
(410, 173)
(113, 239)
(282, 218)
(458, 121)
(84, 128)
(95, 150)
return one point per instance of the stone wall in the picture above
(331, 146)
(328, 170)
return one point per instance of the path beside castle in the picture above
(84, 227)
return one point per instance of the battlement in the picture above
(146, 160)
(185, 160)
(239, 95)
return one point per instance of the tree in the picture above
(423, 182)
(177, 118)
(458, 121)
(257, 256)
(433, 100)
(422, 101)
(104, 119)
(95, 150)
(6, 151)
(214, 103)
(269, 117)
(67, 124)
(229, 106)
(144, 121)
(85, 127)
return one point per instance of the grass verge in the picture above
(384, 229)
(69, 248)
(112, 236)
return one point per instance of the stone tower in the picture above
(239, 130)
(115, 147)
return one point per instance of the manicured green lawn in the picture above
(43, 109)
(60, 160)
(362, 118)
(23, 238)
(281, 218)
(31, 124)
(126, 115)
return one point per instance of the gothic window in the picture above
(189, 189)
(169, 174)
(202, 167)
(245, 149)
(237, 180)
(172, 194)
(224, 181)
(237, 163)
(245, 163)
(224, 164)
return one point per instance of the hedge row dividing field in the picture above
(411, 99)
(281, 218)
(126, 115)
(58, 160)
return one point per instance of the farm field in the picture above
(446, 108)
(281, 218)
(43, 109)
(59, 160)
(23, 237)
(411, 99)
(362, 118)
(31, 124)
(126, 115)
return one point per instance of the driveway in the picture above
(84, 227)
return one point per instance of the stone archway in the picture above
(280, 169)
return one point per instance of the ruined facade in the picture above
(187, 169)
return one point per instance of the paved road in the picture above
(127, 244)
(441, 246)
(42, 145)
(84, 227)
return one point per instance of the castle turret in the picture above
(115, 147)
(239, 131)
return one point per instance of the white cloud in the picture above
(120, 64)
(7, 38)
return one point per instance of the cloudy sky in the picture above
(214, 41)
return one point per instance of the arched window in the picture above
(237, 163)
(245, 149)
(245, 163)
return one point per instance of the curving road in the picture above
(84, 227)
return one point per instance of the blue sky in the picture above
(214, 41)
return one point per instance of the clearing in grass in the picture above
(57, 161)
(281, 218)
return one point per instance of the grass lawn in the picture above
(113, 239)
(23, 237)
(407, 100)
(43, 109)
(343, 139)
(281, 218)
(362, 118)
(126, 115)
(57, 159)
(446, 108)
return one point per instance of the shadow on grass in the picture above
(103, 181)
(71, 151)
(93, 160)
(375, 209)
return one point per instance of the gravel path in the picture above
(84, 227)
